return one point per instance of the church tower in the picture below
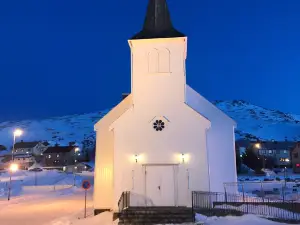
(158, 54)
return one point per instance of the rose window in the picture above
(159, 125)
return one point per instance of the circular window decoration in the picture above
(159, 125)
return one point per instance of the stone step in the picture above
(155, 221)
(161, 208)
(156, 215)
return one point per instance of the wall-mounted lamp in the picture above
(136, 157)
(183, 157)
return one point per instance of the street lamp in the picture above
(17, 133)
(75, 167)
(12, 168)
(258, 147)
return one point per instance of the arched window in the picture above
(153, 61)
(164, 61)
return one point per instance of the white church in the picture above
(164, 140)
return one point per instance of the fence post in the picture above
(193, 206)
(243, 193)
(283, 193)
(262, 190)
(225, 192)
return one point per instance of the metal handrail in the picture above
(124, 201)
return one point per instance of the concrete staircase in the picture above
(155, 215)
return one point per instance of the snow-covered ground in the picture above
(233, 220)
(28, 181)
(52, 208)
(67, 208)
(41, 205)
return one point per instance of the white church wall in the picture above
(221, 141)
(185, 132)
(103, 181)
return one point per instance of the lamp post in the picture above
(17, 133)
(258, 147)
(285, 177)
(13, 168)
(75, 167)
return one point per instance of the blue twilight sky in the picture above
(61, 57)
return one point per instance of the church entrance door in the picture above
(161, 184)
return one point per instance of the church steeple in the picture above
(158, 22)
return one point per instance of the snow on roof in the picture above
(59, 149)
(91, 164)
(23, 144)
(22, 156)
(35, 165)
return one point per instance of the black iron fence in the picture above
(277, 190)
(124, 201)
(222, 204)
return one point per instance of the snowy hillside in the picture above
(258, 122)
(253, 121)
(60, 130)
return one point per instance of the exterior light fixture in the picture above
(183, 157)
(136, 157)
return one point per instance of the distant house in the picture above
(296, 158)
(2, 148)
(60, 156)
(24, 161)
(279, 151)
(80, 167)
(30, 148)
(85, 166)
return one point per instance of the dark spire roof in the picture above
(158, 23)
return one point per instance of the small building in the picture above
(24, 161)
(2, 148)
(31, 148)
(85, 166)
(80, 167)
(60, 156)
(296, 158)
(278, 151)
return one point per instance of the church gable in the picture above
(115, 113)
(204, 107)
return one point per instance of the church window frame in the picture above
(159, 61)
